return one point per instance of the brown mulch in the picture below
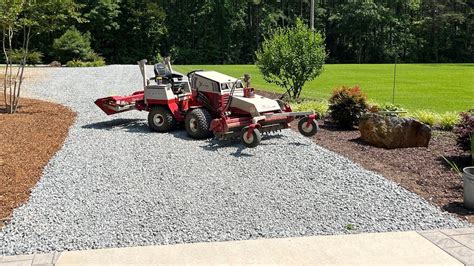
(28, 139)
(420, 170)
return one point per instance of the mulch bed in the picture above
(420, 170)
(28, 139)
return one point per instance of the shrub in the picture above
(346, 105)
(32, 57)
(426, 117)
(79, 63)
(320, 107)
(292, 56)
(388, 107)
(448, 120)
(92, 57)
(72, 45)
(90, 60)
(465, 129)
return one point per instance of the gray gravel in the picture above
(117, 184)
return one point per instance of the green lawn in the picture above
(436, 87)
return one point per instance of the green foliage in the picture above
(350, 227)
(291, 57)
(320, 107)
(79, 63)
(419, 86)
(72, 45)
(448, 120)
(454, 167)
(229, 31)
(157, 59)
(346, 106)
(140, 33)
(32, 57)
(102, 20)
(91, 59)
(428, 117)
(388, 107)
(20, 21)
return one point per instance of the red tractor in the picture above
(209, 103)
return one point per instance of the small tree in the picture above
(72, 45)
(19, 21)
(291, 57)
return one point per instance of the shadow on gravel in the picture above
(458, 208)
(128, 125)
(214, 145)
(140, 126)
(298, 144)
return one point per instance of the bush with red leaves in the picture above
(346, 105)
(465, 129)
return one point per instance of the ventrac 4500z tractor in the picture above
(208, 103)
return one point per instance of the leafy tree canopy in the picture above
(291, 57)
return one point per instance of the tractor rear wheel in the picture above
(251, 140)
(197, 123)
(160, 119)
(307, 130)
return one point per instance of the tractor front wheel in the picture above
(197, 123)
(251, 139)
(160, 119)
(307, 129)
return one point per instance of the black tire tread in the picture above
(204, 119)
(170, 121)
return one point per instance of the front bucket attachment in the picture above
(118, 104)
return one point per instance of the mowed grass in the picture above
(435, 87)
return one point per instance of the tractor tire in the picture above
(253, 140)
(197, 123)
(308, 130)
(160, 119)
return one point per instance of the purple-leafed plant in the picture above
(465, 128)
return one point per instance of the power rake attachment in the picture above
(208, 103)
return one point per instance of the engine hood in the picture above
(256, 105)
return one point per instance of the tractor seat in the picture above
(162, 72)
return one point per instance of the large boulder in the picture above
(393, 132)
(55, 64)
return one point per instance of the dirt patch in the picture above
(28, 139)
(420, 170)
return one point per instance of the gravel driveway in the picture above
(117, 184)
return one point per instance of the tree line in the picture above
(230, 31)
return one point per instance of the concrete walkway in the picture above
(447, 247)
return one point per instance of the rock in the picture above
(393, 132)
(55, 64)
